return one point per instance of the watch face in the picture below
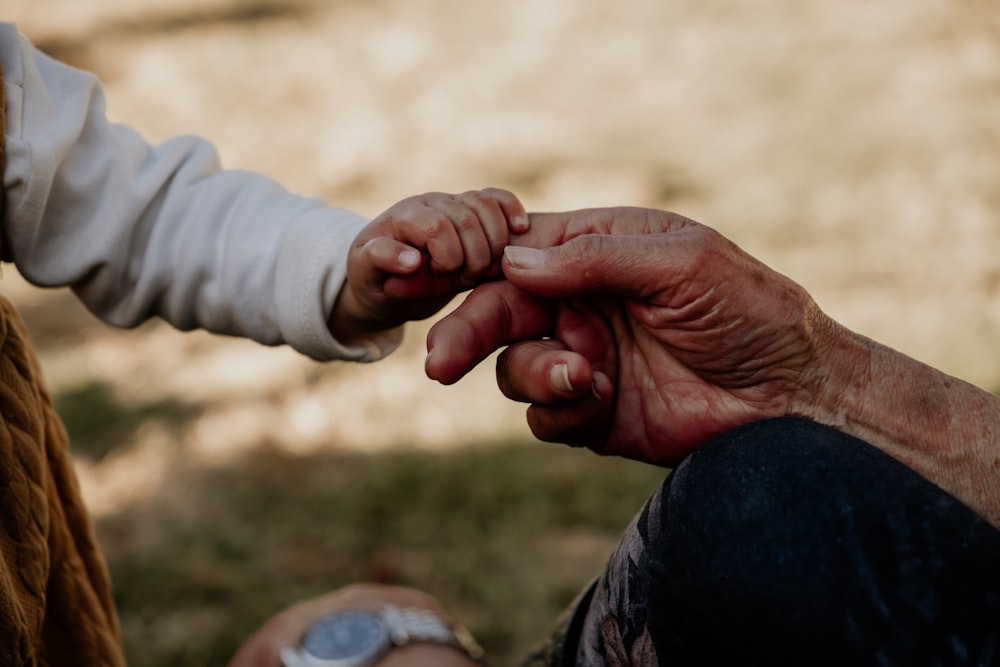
(350, 636)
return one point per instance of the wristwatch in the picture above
(360, 638)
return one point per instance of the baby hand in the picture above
(410, 261)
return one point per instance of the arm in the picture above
(140, 231)
(659, 333)
(944, 428)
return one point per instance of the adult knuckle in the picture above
(592, 245)
(707, 246)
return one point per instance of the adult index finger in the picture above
(492, 316)
(640, 268)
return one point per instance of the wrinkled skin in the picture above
(637, 333)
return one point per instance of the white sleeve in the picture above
(140, 231)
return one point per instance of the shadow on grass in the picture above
(504, 534)
(99, 422)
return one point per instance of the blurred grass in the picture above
(101, 422)
(505, 534)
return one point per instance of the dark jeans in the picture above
(785, 542)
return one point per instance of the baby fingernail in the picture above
(409, 259)
(559, 378)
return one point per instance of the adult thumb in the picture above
(623, 265)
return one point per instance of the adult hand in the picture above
(638, 333)
(287, 628)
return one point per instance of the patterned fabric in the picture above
(617, 633)
(785, 542)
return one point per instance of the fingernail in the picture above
(602, 379)
(520, 257)
(559, 378)
(520, 223)
(409, 259)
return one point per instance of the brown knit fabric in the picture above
(55, 596)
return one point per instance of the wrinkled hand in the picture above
(638, 333)
(412, 259)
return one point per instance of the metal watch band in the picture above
(407, 625)
(399, 626)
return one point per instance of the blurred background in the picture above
(853, 146)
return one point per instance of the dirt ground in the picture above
(853, 146)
